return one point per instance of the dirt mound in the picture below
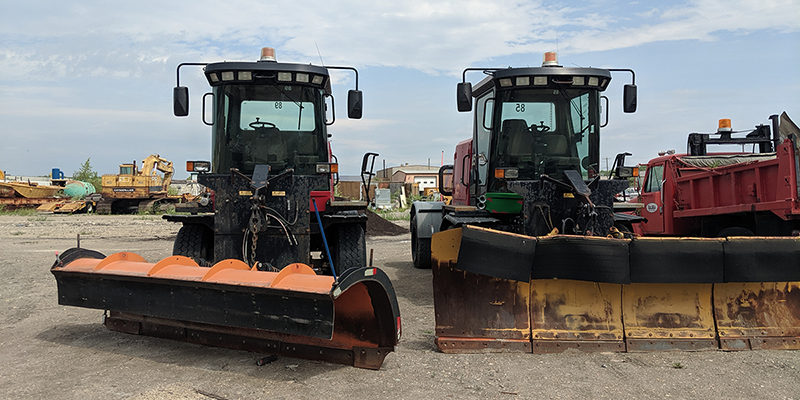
(378, 226)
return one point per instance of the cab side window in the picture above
(654, 178)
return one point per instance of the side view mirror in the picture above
(629, 98)
(446, 187)
(180, 101)
(355, 101)
(464, 96)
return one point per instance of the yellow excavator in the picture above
(134, 190)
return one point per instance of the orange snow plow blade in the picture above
(294, 312)
(499, 291)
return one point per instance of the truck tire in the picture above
(735, 231)
(420, 248)
(350, 248)
(196, 242)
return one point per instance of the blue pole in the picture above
(324, 240)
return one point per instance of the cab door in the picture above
(652, 197)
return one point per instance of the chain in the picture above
(253, 247)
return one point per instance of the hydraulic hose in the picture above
(324, 240)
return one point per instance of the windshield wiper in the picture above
(299, 105)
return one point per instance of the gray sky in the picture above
(94, 79)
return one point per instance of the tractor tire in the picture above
(735, 231)
(196, 242)
(350, 248)
(420, 248)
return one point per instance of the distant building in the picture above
(388, 173)
(422, 179)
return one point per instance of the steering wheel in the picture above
(541, 128)
(264, 124)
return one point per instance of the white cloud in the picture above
(95, 63)
(433, 37)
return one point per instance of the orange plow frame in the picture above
(294, 312)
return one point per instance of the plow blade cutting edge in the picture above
(294, 312)
(497, 291)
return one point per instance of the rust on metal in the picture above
(482, 345)
(644, 345)
(476, 312)
(567, 310)
(665, 316)
(474, 306)
(340, 350)
(354, 321)
(558, 346)
(758, 315)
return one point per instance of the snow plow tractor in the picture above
(531, 257)
(269, 260)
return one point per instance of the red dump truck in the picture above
(726, 194)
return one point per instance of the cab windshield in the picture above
(545, 131)
(279, 125)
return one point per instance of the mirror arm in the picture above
(633, 74)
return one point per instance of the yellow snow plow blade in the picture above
(763, 315)
(353, 320)
(575, 314)
(498, 291)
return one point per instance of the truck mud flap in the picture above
(645, 294)
(353, 321)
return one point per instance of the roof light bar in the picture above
(244, 75)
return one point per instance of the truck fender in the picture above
(428, 217)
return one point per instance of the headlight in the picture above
(327, 168)
(198, 166)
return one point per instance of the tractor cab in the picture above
(536, 121)
(269, 113)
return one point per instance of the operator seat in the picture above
(516, 140)
(268, 147)
(558, 154)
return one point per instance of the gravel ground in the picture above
(52, 351)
